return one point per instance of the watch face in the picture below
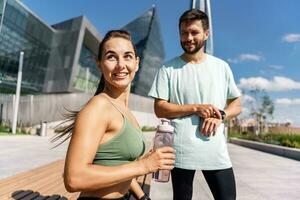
(223, 114)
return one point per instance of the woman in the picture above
(106, 140)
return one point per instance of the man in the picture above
(197, 91)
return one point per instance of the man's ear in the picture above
(206, 34)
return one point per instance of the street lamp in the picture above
(18, 90)
(204, 5)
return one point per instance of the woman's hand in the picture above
(158, 159)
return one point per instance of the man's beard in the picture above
(198, 46)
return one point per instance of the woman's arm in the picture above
(136, 189)
(81, 174)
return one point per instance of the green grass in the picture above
(10, 133)
(148, 128)
(283, 139)
(6, 131)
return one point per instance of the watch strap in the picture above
(223, 114)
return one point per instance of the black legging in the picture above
(126, 197)
(220, 182)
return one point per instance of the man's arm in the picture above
(211, 124)
(233, 108)
(165, 109)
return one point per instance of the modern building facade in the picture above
(55, 57)
(61, 58)
(72, 64)
(146, 35)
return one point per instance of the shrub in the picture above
(148, 128)
(4, 128)
(283, 139)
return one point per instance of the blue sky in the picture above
(260, 39)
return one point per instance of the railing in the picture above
(36, 108)
(50, 107)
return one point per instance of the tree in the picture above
(262, 108)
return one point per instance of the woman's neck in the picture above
(117, 95)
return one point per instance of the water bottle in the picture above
(164, 137)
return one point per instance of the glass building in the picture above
(146, 35)
(57, 58)
(61, 57)
(72, 65)
(22, 31)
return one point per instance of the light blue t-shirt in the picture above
(209, 82)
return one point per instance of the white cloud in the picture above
(276, 67)
(292, 37)
(250, 57)
(247, 98)
(246, 101)
(245, 57)
(287, 113)
(278, 83)
(232, 60)
(286, 101)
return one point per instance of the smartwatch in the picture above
(223, 114)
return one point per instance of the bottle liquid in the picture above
(164, 137)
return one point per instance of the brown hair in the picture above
(70, 115)
(195, 14)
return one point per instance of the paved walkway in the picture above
(23, 153)
(258, 175)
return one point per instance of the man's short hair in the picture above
(195, 14)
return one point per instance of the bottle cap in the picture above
(165, 126)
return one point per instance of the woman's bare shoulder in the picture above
(97, 102)
(98, 105)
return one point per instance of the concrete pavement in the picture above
(23, 153)
(258, 175)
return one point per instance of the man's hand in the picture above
(208, 111)
(209, 126)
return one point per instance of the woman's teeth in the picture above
(120, 74)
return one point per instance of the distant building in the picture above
(56, 58)
(61, 58)
(248, 123)
(146, 35)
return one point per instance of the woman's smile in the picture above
(120, 75)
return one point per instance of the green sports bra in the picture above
(123, 148)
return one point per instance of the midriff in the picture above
(112, 192)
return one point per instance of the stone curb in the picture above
(269, 148)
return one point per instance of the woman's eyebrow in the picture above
(110, 52)
(129, 52)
